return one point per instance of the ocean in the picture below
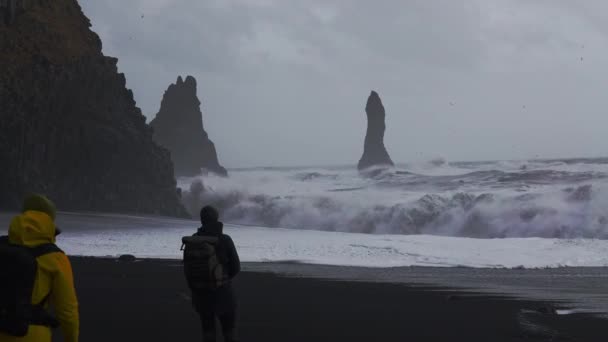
(500, 199)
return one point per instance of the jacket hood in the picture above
(215, 228)
(32, 228)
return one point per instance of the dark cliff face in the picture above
(374, 152)
(69, 128)
(178, 126)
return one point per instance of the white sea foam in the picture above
(554, 199)
(110, 235)
(159, 237)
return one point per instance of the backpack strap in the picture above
(45, 249)
(40, 316)
(43, 301)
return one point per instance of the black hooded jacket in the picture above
(222, 299)
(226, 251)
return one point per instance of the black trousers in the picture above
(216, 305)
(227, 323)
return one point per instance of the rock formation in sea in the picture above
(69, 127)
(374, 152)
(178, 126)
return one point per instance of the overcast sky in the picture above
(285, 82)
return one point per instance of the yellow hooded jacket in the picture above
(31, 229)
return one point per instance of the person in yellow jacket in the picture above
(33, 227)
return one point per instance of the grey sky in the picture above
(284, 82)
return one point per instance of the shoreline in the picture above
(111, 235)
(149, 300)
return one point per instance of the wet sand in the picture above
(148, 301)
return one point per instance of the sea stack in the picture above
(178, 126)
(69, 128)
(374, 152)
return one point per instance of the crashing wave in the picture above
(577, 212)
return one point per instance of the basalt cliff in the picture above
(69, 127)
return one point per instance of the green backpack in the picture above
(202, 266)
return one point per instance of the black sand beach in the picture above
(148, 301)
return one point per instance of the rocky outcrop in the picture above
(374, 152)
(69, 127)
(178, 126)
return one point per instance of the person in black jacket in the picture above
(220, 302)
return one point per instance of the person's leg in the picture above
(208, 325)
(206, 312)
(228, 323)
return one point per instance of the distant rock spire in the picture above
(178, 126)
(374, 152)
